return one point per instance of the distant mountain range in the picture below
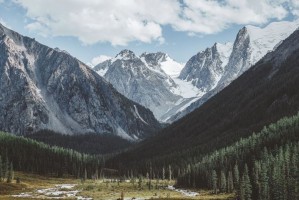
(45, 88)
(149, 79)
(266, 92)
(172, 90)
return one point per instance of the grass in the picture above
(113, 190)
(29, 183)
(99, 189)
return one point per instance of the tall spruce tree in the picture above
(10, 174)
(247, 184)
(264, 182)
(214, 181)
(230, 184)
(222, 181)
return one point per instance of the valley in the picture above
(221, 125)
(41, 187)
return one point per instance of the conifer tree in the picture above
(230, 184)
(5, 167)
(222, 181)
(247, 184)
(264, 185)
(85, 174)
(169, 173)
(10, 174)
(236, 175)
(214, 181)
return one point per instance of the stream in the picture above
(60, 191)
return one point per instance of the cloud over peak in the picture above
(120, 22)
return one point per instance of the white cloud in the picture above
(99, 59)
(120, 22)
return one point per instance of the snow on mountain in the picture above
(171, 89)
(150, 79)
(45, 88)
(205, 69)
(216, 67)
(171, 67)
(266, 39)
(141, 79)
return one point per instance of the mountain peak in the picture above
(126, 54)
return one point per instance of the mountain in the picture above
(205, 69)
(263, 94)
(149, 79)
(45, 88)
(216, 67)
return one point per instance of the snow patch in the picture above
(265, 39)
(185, 89)
(102, 72)
(224, 51)
(137, 113)
(171, 67)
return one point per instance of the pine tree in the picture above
(264, 185)
(236, 176)
(163, 173)
(85, 174)
(169, 173)
(242, 189)
(10, 174)
(222, 182)
(247, 184)
(5, 167)
(214, 181)
(230, 184)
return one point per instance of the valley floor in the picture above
(39, 187)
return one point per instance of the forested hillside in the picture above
(85, 143)
(31, 156)
(262, 166)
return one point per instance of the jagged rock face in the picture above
(239, 59)
(43, 88)
(154, 59)
(205, 68)
(141, 80)
(251, 44)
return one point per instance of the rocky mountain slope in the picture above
(263, 94)
(149, 79)
(45, 88)
(215, 68)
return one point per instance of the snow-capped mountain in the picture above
(253, 43)
(45, 88)
(205, 69)
(143, 79)
(216, 67)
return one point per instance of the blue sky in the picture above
(181, 28)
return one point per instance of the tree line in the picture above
(31, 156)
(263, 166)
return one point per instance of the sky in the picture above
(94, 30)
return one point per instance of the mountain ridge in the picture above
(50, 89)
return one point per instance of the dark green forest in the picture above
(31, 156)
(262, 166)
(85, 143)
